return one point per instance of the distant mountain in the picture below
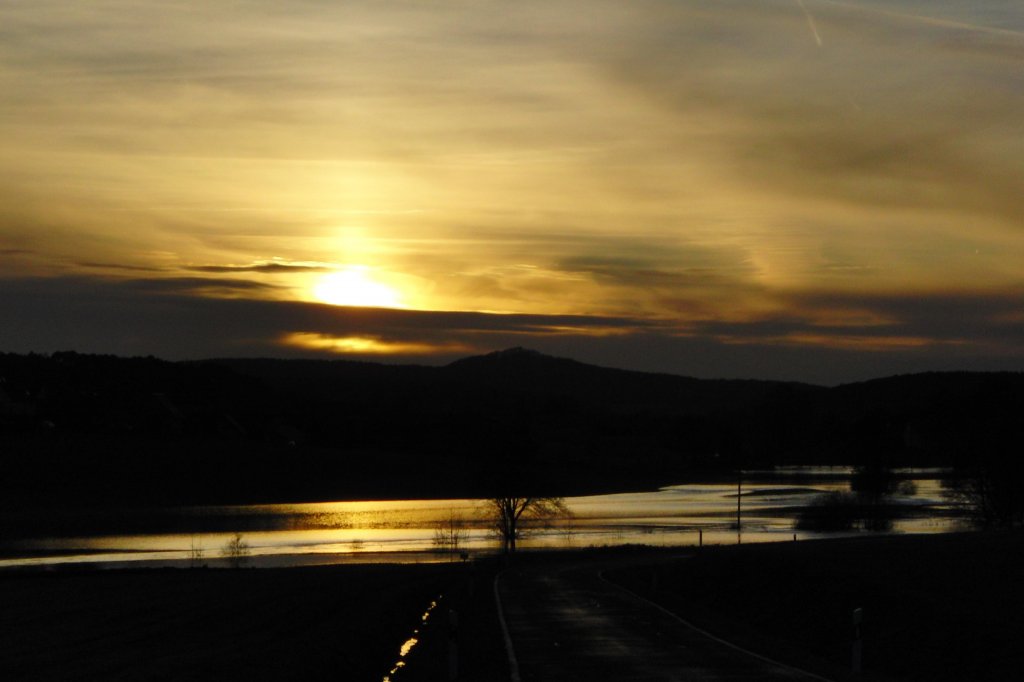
(518, 374)
(81, 428)
(529, 371)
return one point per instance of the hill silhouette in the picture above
(87, 429)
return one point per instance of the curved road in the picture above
(566, 622)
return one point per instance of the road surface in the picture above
(565, 622)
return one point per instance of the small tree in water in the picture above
(236, 551)
(509, 516)
(994, 493)
(448, 533)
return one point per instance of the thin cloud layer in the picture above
(275, 268)
(833, 176)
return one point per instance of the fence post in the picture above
(453, 645)
(857, 647)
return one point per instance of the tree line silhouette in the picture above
(90, 429)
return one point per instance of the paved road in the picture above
(567, 623)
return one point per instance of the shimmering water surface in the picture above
(405, 530)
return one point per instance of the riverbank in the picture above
(936, 608)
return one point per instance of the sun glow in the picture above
(366, 345)
(354, 286)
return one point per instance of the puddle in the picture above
(410, 643)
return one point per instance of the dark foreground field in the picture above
(338, 623)
(935, 608)
(946, 607)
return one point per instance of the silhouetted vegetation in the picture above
(871, 503)
(512, 517)
(236, 551)
(834, 511)
(99, 430)
(840, 511)
(449, 533)
(994, 490)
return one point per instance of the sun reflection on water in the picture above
(404, 530)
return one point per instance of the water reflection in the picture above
(405, 530)
(403, 652)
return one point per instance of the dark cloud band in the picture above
(178, 319)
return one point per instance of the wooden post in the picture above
(857, 648)
(453, 645)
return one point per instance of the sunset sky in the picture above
(818, 190)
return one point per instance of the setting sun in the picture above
(353, 286)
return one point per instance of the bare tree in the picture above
(236, 551)
(510, 517)
(449, 533)
(994, 496)
(992, 487)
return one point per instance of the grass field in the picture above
(338, 622)
(942, 607)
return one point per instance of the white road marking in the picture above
(712, 637)
(513, 664)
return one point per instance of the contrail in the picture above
(810, 22)
(933, 21)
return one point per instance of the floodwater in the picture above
(407, 530)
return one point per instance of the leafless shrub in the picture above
(449, 533)
(236, 551)
(196, 553)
